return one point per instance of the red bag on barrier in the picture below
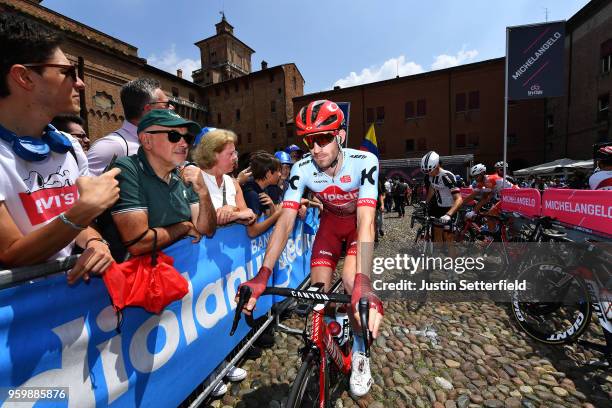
(149, 281)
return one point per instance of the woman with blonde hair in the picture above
(216, 155)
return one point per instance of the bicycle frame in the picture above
(323, 340)
(320, 336)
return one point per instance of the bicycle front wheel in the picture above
(561, 321)
(306, 388)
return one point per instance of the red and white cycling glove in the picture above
(363, 288)
(258, 283)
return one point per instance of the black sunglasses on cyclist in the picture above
(322, 139)
(71, 70)
(174, 136)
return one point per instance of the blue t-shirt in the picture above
(251, 191)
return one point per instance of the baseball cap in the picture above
(166, 117)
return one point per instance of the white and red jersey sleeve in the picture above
(602, 180)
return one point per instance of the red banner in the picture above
(590, 209)
(525, 201)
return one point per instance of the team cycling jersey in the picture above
(484, 186)
(499, 184)
(444, 186)
(602, 180)
(354, 185)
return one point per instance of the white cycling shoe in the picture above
(361, 378)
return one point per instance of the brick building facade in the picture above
(258, 105)
(582, 117)
(263, 98)
(455, 111)
(105, 64)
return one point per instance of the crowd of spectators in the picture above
(127, 192)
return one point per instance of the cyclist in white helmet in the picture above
(444, 195)
(482, 190)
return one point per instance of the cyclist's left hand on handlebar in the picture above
(257, 285)
(363, 288)
(445, 219)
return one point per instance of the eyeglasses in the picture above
(166, 104)
(79, 135)
(322, 139)
(174, 136)
(71, 70)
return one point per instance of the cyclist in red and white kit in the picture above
(602, 179)
(345, 180)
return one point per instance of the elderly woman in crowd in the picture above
(216, 155)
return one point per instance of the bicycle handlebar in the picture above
(244, 294)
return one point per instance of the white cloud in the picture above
(446, 61)
(389, 69)
(170, 61)
(394, 66)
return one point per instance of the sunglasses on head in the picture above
(71, 70)
(174, 136)
(322, 139)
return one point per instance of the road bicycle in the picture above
(326, 355)
(578, 289)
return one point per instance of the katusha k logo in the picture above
(535, 90)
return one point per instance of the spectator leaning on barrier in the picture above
(45, 206)
(155, 193)
(266, 171)
(73, 125)
(215, 155)
(137, 97)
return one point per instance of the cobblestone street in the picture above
(443, 355)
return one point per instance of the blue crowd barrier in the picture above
(56, 335)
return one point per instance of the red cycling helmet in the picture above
(318, 116)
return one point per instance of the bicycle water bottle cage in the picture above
(303, 308)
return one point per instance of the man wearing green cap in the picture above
(157, 192)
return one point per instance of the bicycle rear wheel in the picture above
(305, 390)
(553, 322)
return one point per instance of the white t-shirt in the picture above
(122, 142)
(216, 191)
(35, 193)
(601, 180)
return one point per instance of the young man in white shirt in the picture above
(46, 200)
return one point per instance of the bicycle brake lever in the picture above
(363, 318)
(244, 294)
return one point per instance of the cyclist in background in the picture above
(442, 189)
(482, 191)
(345, 180)
(602, 179)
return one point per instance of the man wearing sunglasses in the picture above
(157, 192)
(137, 98)
(47, 200)
(345, 180)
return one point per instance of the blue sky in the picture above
(333, 42)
